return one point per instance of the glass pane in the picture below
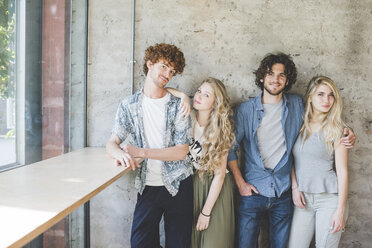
(7, 82)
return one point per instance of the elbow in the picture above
(219, 178)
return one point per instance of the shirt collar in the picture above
(258, 102)
(139, 95)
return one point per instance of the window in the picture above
(42, 113)
(7, 82)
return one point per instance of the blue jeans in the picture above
(251, 211)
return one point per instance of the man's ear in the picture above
(261, 80)
(149, 64)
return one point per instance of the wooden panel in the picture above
(35, 197)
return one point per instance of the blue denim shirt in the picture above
(248, 117)
(129, 129)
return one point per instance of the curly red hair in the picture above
(168, 52)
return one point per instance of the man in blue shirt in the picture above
(267, 127)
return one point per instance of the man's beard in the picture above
(274, 93)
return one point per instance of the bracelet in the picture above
(205, 214)
(295, 187)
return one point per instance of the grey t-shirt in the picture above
(271, 142)
(314, 165)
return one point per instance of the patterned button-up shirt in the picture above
(129, 129)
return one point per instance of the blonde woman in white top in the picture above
(213, 136)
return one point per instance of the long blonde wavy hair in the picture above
(332, 124)
(219, 132)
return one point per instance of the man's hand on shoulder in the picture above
(348, 139)
(185, 106)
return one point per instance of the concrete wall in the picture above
(227, 39)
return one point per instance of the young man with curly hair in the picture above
(266, 127)
(149, 126)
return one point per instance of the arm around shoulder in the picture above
(349, 138)
(185, 105)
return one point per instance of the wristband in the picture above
(204, 214)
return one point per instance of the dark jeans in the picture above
(251, 211)
(178, 211)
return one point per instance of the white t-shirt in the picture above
(154, 126)
(195, 154)
(271, 141)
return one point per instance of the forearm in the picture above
(293, 178)
(341, 160)
(342, 191)
(216, 186)
(173, 153)
(214, 192)
(113, 146)
(175, 92)
(234, 168)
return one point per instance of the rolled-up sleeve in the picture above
(239, 133)
(122, 127)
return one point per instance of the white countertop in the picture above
(35, 197)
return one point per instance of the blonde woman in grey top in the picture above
(320, 173)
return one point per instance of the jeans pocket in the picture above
(145, 190)
(248, 196)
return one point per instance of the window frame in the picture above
(19, 19)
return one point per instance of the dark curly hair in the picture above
(267, 63)
(168, 52)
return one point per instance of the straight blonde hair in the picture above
(332, 124)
